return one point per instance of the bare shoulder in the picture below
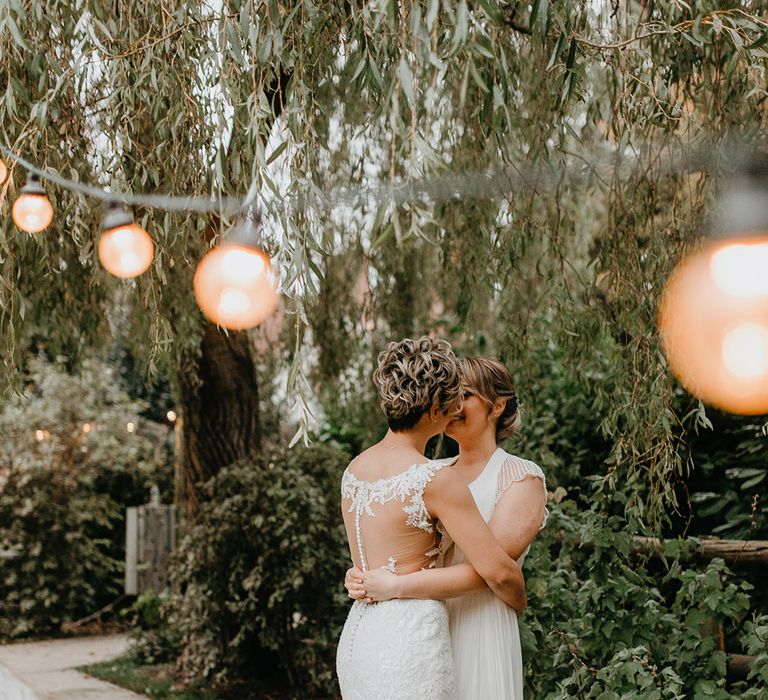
(527, 487)
(446, 483)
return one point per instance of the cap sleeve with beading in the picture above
(515, 469)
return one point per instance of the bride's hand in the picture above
(380, 584)
(353, 582)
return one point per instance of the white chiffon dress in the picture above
(484, 632)
(395, 649)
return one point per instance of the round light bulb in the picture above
(32, 212)
(235, 286)
(3, 171)
(741, 269)
(745, 351)
(126, 251)
(713, 321)
(171, 416)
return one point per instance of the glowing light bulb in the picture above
(235, 286)
(32, 212)
(745, 351)
(130, 427)
(171, 416)
(233, 303)
(87, 427)
(713, 321)
(125, 249)
(741, 269)
(3, 171)
(39, 435)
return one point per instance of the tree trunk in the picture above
(220, 407)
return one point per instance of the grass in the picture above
(154, 681)
(157, 681)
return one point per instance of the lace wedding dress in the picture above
(396, 649)
(484, 632)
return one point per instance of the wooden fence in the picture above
(150, 538)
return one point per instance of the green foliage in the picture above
(607, 622)
(153, 640)
(260, 574)
(68, 469)
(729, 489)
(61, 569)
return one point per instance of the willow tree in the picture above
(322, 108)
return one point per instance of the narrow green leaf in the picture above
(276, 153)
(15, 33)
(476, 77)
(559, 46)
(406, 81)
(543, 12)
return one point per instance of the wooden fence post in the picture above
(150, 538)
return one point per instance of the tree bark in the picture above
(730, 551)
(220, 404)
(739, 666)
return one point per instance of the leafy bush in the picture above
(68, 468)
(61, 569)
(260, 574)
(605, 622)
(152, 639)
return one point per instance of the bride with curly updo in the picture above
(391, 498)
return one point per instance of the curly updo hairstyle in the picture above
(490, 380)
(413, 375)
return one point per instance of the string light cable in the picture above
(223, 205)
(494, 182)
(234, 284)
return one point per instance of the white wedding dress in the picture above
(396, 649)
(484, 632)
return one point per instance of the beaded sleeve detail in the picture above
(516, 469)
(406, 487)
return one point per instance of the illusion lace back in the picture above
(484, 633)
(395, 649)
(387, 522)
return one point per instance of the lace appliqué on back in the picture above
(407, 486)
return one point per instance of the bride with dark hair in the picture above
(391, 498)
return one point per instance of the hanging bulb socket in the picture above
(33, 185)
(32, 211)
(247, 234)
(125, 249)
(115, 216)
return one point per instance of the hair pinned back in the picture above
(491, 380)
(414, 374)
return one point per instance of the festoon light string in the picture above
(234, 283)
(713, 313)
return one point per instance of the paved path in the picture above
(45, 670)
